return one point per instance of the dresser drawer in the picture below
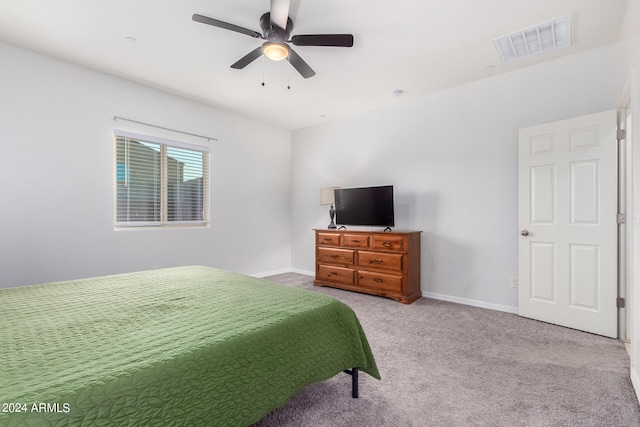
(384, 260)
(356, 240)
(336, 274)
(336, 256)
(388, 243)
(329, 239)
(372, 279)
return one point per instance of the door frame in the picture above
(626, 206)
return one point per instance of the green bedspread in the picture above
(182, 346)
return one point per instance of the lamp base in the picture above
(332, 214)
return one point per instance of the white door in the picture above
(568, 225)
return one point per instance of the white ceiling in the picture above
(418, 46)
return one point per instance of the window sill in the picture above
(159, 226)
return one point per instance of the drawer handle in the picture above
(375, 261)
(377, 280)
(333, 273)
(355, 241)
(334, 256)
(386, 244)
(327, 239)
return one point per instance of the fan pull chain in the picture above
(288, 78)
(262, 70)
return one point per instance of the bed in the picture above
(179, 346)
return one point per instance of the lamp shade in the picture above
(327, 196)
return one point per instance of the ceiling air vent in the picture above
(541, 38)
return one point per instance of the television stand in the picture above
(383, 263)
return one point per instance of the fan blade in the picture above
(225, 25)
(299, 64)
(248, 58)
(280, 12)
(339, 40)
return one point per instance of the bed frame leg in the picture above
(354, 381)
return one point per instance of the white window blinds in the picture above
(160, 182)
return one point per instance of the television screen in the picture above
(365, 206)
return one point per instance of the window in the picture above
(160, 182)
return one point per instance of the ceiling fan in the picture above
(276, 28)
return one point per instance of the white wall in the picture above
(56, 191)
(452, 157)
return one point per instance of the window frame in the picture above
(164, 221)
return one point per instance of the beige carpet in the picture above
(446, 364)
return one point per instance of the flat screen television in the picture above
(372, 206)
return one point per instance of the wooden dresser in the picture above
(378, 263)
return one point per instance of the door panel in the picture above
(567, 214)
(584, 193)
(543, 283)
(543, 194)
(585, 276)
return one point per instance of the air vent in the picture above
(541, 38)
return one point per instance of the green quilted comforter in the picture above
(182, 346)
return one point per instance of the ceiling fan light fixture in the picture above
(275, 51)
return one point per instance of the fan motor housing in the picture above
(274, 32)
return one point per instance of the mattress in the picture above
(180, 346)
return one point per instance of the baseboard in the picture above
(635, 380)
(472, 302)
(465, 301)
(271, 273)
(305, 272)
(282, 271)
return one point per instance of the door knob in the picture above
(525, 232)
